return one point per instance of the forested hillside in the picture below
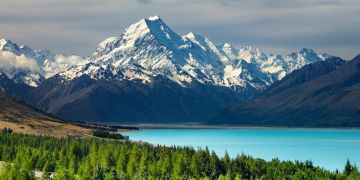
(92, 158)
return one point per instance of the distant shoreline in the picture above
(200, 126)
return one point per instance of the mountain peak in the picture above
(191, 35)
(249, 48)
(3, 41)
(228, 48)
(310, 54)
(227, 45)
(307, 51)
(194, 37)
(151, 28)
(147, 23)
(7, 45)
(154, 18)
(153, 25)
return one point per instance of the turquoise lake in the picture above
(326, 148)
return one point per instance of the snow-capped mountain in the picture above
(150, 45)
(321, 94)
(147, 74)
(25, 65)
(150, 48)
(276, 65)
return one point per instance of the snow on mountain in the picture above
(7, 45)
(153, 46)
(276, 65)
(147, 73)
(149, 48)
(23, 64)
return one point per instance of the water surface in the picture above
(327, 148)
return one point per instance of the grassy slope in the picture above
(24, 119)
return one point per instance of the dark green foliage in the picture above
(349, 168)
(6, 131)
(107, 134)
(92, 158)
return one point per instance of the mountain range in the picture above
(322, 94)
(25, 65)
(147, 74)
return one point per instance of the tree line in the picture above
(107, 134)
(93, 158)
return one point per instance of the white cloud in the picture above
(76, 26)
(71, 60)
(61, 63)
(10, 60)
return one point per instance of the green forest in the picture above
(95, 158)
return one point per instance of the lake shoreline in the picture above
(199, 126)
(319, 146)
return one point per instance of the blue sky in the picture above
(273, 26)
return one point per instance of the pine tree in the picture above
(132, 166)
(92, 159)
(215, 165)
(143, 165)
(121, 163)
(195, 163)
(26, 170)
(178, 168)
(348, 167)
(226, 161)
(165, 166)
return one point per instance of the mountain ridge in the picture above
(328, 99)
(151, 71)
(32, 67)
